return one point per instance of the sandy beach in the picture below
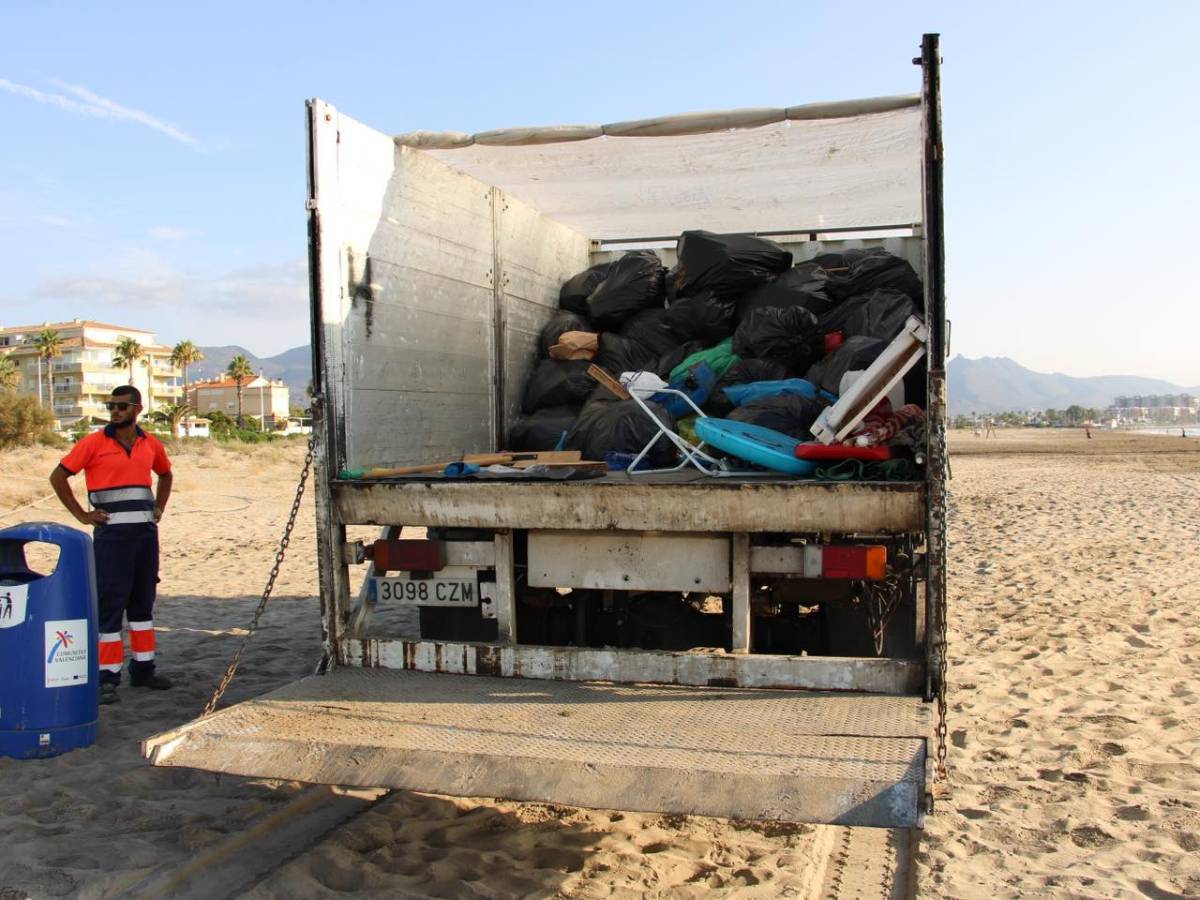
(1075, 750)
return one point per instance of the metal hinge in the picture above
(310, 204)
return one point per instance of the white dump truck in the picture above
(754, 646)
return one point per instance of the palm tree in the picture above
(171, 415)
(240, 371)
(10, 375)
(148, 362)
(127, 352)
(49, 346)
(183, 355)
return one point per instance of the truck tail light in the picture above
(857, 562)
(408, 555)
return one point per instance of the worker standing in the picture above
(117, 463)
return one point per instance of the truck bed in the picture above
(680, 501)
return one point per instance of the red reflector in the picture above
(409, 555)
(860, 563)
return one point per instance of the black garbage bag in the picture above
(746, 370)
(557, 382)
(802, 285)
(790, 414)
(702, 316)
(743, 372)
(649, 328)
(857, 352)
(620, 426)
(672, 294)
(879, 314)
(788, 335)
(673, 358)
(726, 264)
(574, 292)
(621, 354)
(542, 430)
(561, 321)
(870, 270)
(635, 282)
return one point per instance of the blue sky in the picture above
(152, 170)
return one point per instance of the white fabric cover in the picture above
(820, 167)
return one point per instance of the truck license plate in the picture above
(427, 591)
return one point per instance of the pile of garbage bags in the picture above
(778, 342)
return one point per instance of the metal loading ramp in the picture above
(850, 759)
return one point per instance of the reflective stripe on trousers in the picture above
(112, 652)
(141, 640)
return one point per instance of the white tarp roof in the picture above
(818, 167)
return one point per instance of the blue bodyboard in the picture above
(755, 444)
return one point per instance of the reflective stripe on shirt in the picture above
(133, 517)
(119, 495)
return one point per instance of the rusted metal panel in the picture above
(622, 561)
(819, 673)
(709, 506)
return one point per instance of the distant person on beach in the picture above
(989, 429)
(117, 463)
(1088, 431)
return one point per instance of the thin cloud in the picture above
(96, 106)
(171, 233)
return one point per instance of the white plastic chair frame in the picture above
(693, 454)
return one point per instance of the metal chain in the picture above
(266, 594)
(941, 458)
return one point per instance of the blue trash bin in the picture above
(49, 689)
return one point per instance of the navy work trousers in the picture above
(127, 582)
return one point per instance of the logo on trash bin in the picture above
(64, 640)
(67, 652)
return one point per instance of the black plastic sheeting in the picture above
(703, 316)
(561, 321)
(789, 414)
(726, 264)
(573, 294)
(635, 282)
(789, 335)
(557, 383)
(802, 285)
(542, 430)
(620, 426)
(879, 314)
(856, 353)
(649, 328)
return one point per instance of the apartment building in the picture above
(262, 399)
(83, 377)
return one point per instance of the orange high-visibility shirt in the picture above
(118, 478)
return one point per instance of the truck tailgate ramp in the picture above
(850, 759)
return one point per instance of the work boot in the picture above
(153, 681)
(108, 694)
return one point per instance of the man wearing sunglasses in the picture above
(117, 463)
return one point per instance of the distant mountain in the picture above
(294, 367)
(996, 384)
(985, 385)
